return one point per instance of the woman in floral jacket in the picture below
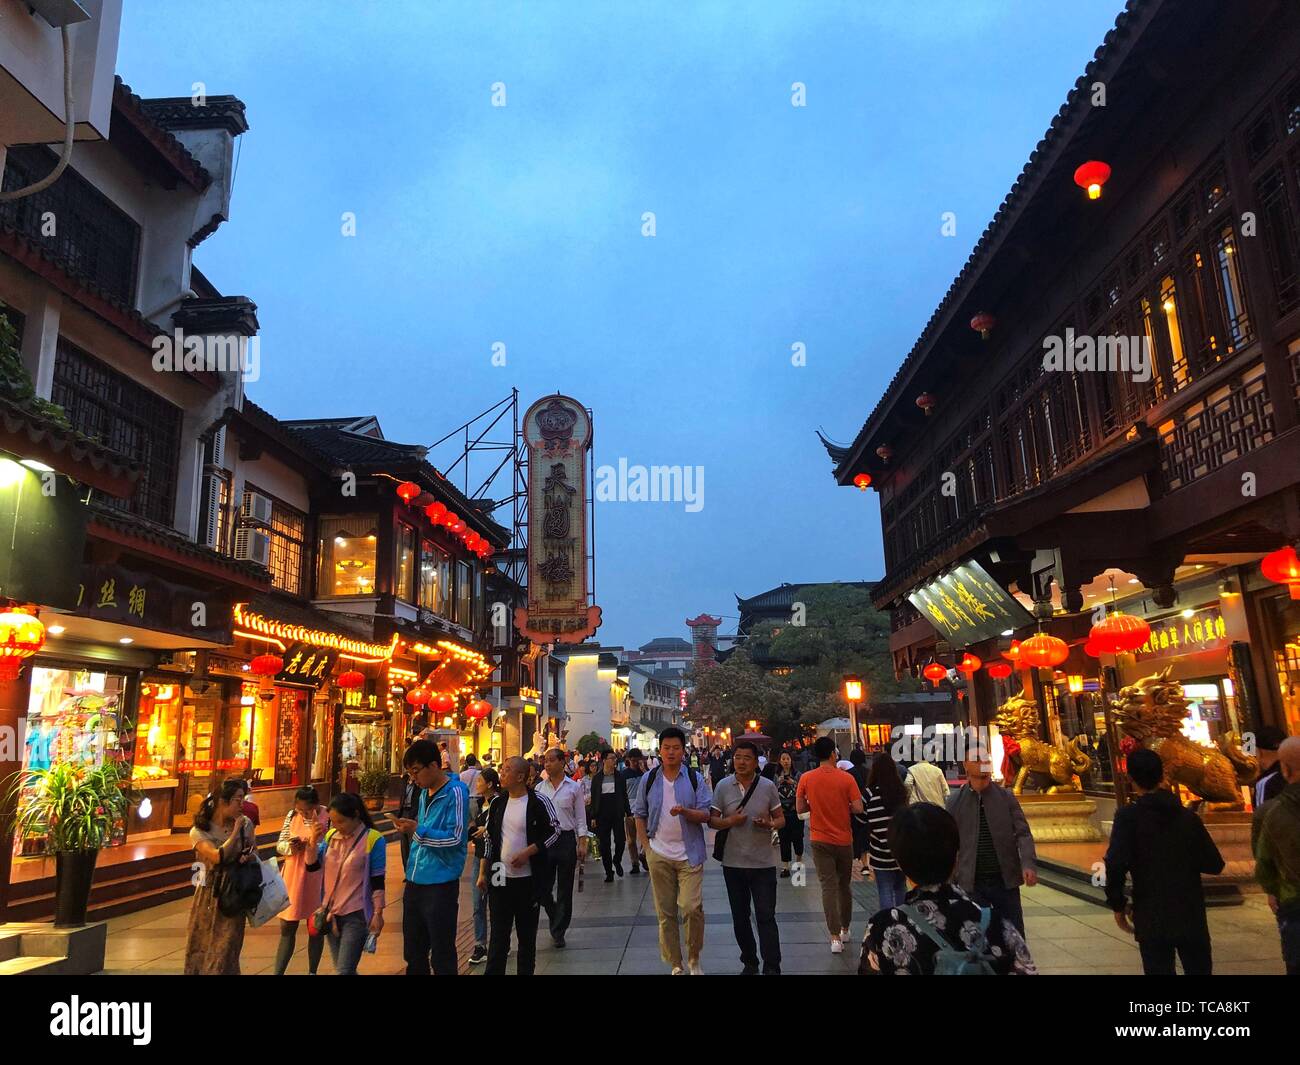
(924, 840)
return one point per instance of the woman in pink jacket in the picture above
(304, 828)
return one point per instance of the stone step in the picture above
(28, 966)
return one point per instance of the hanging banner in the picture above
(557, 433)
(305, 664)
(966, 606)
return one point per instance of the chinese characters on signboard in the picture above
(1203, 631)
(557, 432)
(305, 664)
(966, 606)
(113, 593)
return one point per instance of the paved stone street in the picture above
(614, 931)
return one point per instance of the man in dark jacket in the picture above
(1270, 782)
(1275, 840)
(997, 849)
(521, 827)
(1165, 848)
(609, 808)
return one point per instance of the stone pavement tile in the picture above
(1051, 954)
(583, 938)
(1244, 947)
(1097, 954)
(1260, 967)
(1058, 928)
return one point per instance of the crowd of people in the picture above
(532, 823)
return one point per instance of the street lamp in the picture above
(853, 693)
(753, 726)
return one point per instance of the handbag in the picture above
(240, 886)
(275, 896)
(320, 920)
(720, 840)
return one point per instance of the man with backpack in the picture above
(746, 808)
(939, 930)
(671, 810)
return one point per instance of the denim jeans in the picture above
(891, 886)
(346, 942)
(1002, 900)
(480, 913)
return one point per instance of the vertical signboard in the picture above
(557, 433)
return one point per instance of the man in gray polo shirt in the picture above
(748, 857)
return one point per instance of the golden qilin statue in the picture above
(1152, 711)
(1018, 719)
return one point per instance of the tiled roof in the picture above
(1044, 154)
(134, 110)
(141, 529)
(784, 595)
(41, 431)
(666, 643)
(181, 112)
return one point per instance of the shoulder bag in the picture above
(720, 840)
(321, 920)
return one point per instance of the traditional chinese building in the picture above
(1018, 492)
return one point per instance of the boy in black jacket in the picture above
(1165, 848)
(521, 827)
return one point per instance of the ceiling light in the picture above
(1188, 612)
(126, 639)
(54, 630)
(39, 467)
(1008, 632)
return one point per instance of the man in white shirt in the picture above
(570, 802)
(926, 783)
(470, 773)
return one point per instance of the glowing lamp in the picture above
(1091, 649)
(862, 481)
(1092, 175)
(442, 703)
(853, 689)
(458, 526)
(1012, 652)
(999, 670)
(1118, 632)
(353, 678)
(407, 491)
(969, 663)
(435, 511)
(983, 324)
(926, 402)
(21, 636)
(450, 518)
(1042, 650)
(934, 672)
(885, 452)
(1283, 567)
(1075, 684)
(266, 665)
(417, 696)
(478, 709)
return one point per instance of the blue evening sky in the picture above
(522, 225)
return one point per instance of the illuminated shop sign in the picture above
(1204, 630)
(966, 606)
(257, 626)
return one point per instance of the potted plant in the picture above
(373, 782)
(74, 807)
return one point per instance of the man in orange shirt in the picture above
(831, 796)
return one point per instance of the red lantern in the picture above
(1013, 652)
(458, 526)
(450, 518)
(266, 665)
(434, 512)
(417, 696)
(969, 663)
(1118, 632)
(983, 324)
(478, 709)
(999, 670)
(1092, 175)
(935, 672)
(353, 678)
(863, 481)
(442, 703)
(885, 452)
(21, 636)
(1042, 650)
(1283, 567)
(407, 491)
(1091, 649)
(926, 402)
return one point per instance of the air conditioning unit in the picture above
(252, 545)
(255, 508)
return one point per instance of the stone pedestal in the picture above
(1061, 818)
(1230, 831)
(31, 948)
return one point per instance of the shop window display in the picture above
(346, 550)
(74, 716)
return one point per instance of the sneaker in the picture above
(678, 971)
(635, 870)
(836, 946)
(479, 954)
(785, 874)
(696, 969)
(845, 935)
(749, 970)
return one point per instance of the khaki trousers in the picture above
(678, 889)
(835, 873)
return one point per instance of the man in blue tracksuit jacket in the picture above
(439, 846)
